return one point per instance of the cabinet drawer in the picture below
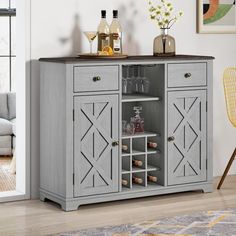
(96, 78)
(187, 75)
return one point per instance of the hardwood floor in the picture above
(7, 179)
(33, 218)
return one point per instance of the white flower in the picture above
(163, 13)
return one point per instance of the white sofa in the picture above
(7, 123)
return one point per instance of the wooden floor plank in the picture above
(7, 179)
(33, 218)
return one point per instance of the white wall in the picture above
(22, 99)
(56, 27)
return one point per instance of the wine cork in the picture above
(137, 180)
(137, 163)
(125, 148)
(152, 145)
(152, 178)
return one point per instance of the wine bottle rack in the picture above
(137, 149)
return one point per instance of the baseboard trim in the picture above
(69, 204)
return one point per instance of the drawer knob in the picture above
(97, 78)
(188, 75)
(171, 139)
(115, 143)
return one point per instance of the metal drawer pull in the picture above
(115, 143)
(188, 75)
(97, 78)
(171, 139)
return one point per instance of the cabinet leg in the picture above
(208, 189)
(70, 206)
(42, 197)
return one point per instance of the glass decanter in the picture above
(137, 121)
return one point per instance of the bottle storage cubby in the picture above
(140, 161)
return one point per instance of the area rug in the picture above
(7, 179)
(211, 223)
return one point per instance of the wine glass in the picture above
(91, 35)
(127, 84)
(144, 84)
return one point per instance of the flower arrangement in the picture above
(163, 14)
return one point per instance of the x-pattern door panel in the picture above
(186, 136)
(95, 159)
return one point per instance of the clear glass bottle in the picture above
(164, 44)
(103, 32)
(116, 34)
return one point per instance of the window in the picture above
(7, 45)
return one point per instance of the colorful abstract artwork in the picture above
(217, 16)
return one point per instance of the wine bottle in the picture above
(137, 180)
(103, 32)
(124, 182)
(116, 34)
(137, 163)
(152, 178)
(152, 145)
(125, 148)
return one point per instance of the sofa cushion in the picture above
(5, 141)
(3, 106)
(5, 145)
(13, 121)
(11, 106)
(13, 142)
(5, 127)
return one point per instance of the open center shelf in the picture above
(142, 165)
(137, 135)
(139, 98)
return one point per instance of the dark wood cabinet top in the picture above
(129, 58)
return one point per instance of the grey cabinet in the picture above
(95, 151)
(85, 154)
(187, 117)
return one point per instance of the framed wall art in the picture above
(216, 16)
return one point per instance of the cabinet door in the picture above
(186, 136)
(95, 151)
